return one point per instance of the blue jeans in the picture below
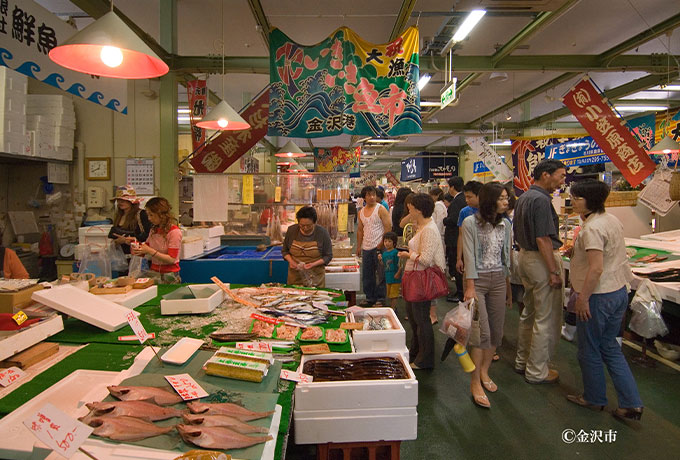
(373, 276)
(597, 345)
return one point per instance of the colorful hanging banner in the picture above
(337, 159)
(596, 115)
(229, 146)
(643, 128)
(344, 85)
(577, 152)
(526, 154)
(197, 94)
(667, 123)
(392, 179)
(491, 159)
(29, 32)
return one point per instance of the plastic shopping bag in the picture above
(138, 265)
(458, 321)
(118, 261)
(646, 320)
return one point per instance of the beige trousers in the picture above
(541, 320)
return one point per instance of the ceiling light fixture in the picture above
(430, 104)
(508, 116)
(498, 76)
(290, 150)
(506, 142)
(222, 117)
(380, 140)
(424, 80)
(640, 108)
(667, 144)
(468, 24)
(109, 48)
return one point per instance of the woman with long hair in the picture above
(130, 223)
(487, 239)
(398, 209)
(163, 243)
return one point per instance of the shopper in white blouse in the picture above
(425, 250)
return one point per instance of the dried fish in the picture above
(217, 437)
(233, 410)
(125, 428)
(161, 396)
(223, 420)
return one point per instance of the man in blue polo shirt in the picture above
(471, 191)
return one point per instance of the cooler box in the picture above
(192, 299)
(379, 340)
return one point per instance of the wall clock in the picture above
(98, 168)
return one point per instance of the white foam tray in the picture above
(12, 342)
(180, 352)
(134, 298)
(86, 307)
(193, 306)
(357, 394)
(384, 340)
(347, 281)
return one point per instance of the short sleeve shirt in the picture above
(535, 217)
(465, 212)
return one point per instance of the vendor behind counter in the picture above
(307, 248)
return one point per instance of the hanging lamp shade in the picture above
(666, 145)
(109, 48)
(223, 118)
(290, 150)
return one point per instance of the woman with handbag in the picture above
(423, 279)
(487, 240)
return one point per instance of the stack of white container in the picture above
(13, 87)
(51, 125)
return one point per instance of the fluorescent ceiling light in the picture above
(183, 119)
(640, 108)
(182, 110)
(499, 143)
(383, 140)
(424, 80)
(468, 24)
(665, 88)
(430, 104)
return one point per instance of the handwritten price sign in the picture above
(266, 319)
(295, 376)
(255, 346)
(57, 430)
(137, 328)
(9, 375)
(186, 386)
(19, 318)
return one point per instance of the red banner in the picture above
(229, 146)
(197, 93)
(392, 179)
(614, 138)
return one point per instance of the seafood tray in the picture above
(355, 369)
(192, 299)
(328, 332)
(256, 329)
(292, 329)
(317, 340)
(359, 394)
(393, 339)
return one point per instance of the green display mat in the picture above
(644, 252)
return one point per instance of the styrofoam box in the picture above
(96, 235)
(347, 281)
(208, 297)
(357, 394)
(12, 342)
(355, 425)
(191, 247)
(206, 232)
(384, 340)
(211, 243)
(49, 100)
(134, 298)
(11, 80)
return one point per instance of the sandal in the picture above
(578, 399)
(481, 401)
(495, 357)
(490, 386)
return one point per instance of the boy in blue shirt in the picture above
(471, 191)
(390, 261)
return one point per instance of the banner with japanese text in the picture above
(197, 94)
(28, 32)
(229, 146)
(480, 171)
(491, 159)
(344, 85)
(337, 159)
(577, 152)
(412, 169)
(597, 117)
(643, 128)
(438, 165)
(526, 154)
(667, 123)
(392, 179)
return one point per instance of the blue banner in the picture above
(480, 169)
(411, 169)
(577, 152)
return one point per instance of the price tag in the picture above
(186, 386)
(316, 349)
(295, 376)
(248, 192)
(255, 346)
(137, 328)
(60, 432)
(277, 194)
(266, 319)
(9, 375)
(19, 317)
(352, 326)
(130, 338)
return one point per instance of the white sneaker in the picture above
(568, 332)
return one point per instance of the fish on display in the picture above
(160, 396)
(233, 410)
(222, 420)
(125, 428)
(141, 409)
(218, 437)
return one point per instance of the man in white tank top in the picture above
(374, 222)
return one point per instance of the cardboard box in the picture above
(11, 300)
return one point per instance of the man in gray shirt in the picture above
(536, 227)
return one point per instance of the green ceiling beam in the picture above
(402, 18)
(643, 37)
(260, 19)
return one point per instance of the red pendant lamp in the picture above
(109, 48)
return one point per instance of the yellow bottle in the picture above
(464, 358)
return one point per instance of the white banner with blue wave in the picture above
(28, 32)
(577, 152)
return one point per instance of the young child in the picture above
(393, 270)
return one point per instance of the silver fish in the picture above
(160, 396)
(141, 409)
(223, 420)
(274, 302)
(126, 428)
(233, 410)
(218, 437)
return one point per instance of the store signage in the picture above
(491, 159)
(29, 32)
(229, 146)
(449, 93)
(439, 166)
(411, 169)
(577, 152)
(479, 170)
(10, 375)
(597, 117)
(58, 431)
(197, 94)
(137, 328)
(186, 386)
(392, 179)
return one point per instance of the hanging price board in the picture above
(248, 192)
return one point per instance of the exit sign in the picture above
(449, 93)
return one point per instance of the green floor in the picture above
(527, 421)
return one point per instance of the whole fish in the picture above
(222, 420)
(126, 428)
(141, 409)
(274, 302)
(159, 395)
(232, 410)
(218, 437)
